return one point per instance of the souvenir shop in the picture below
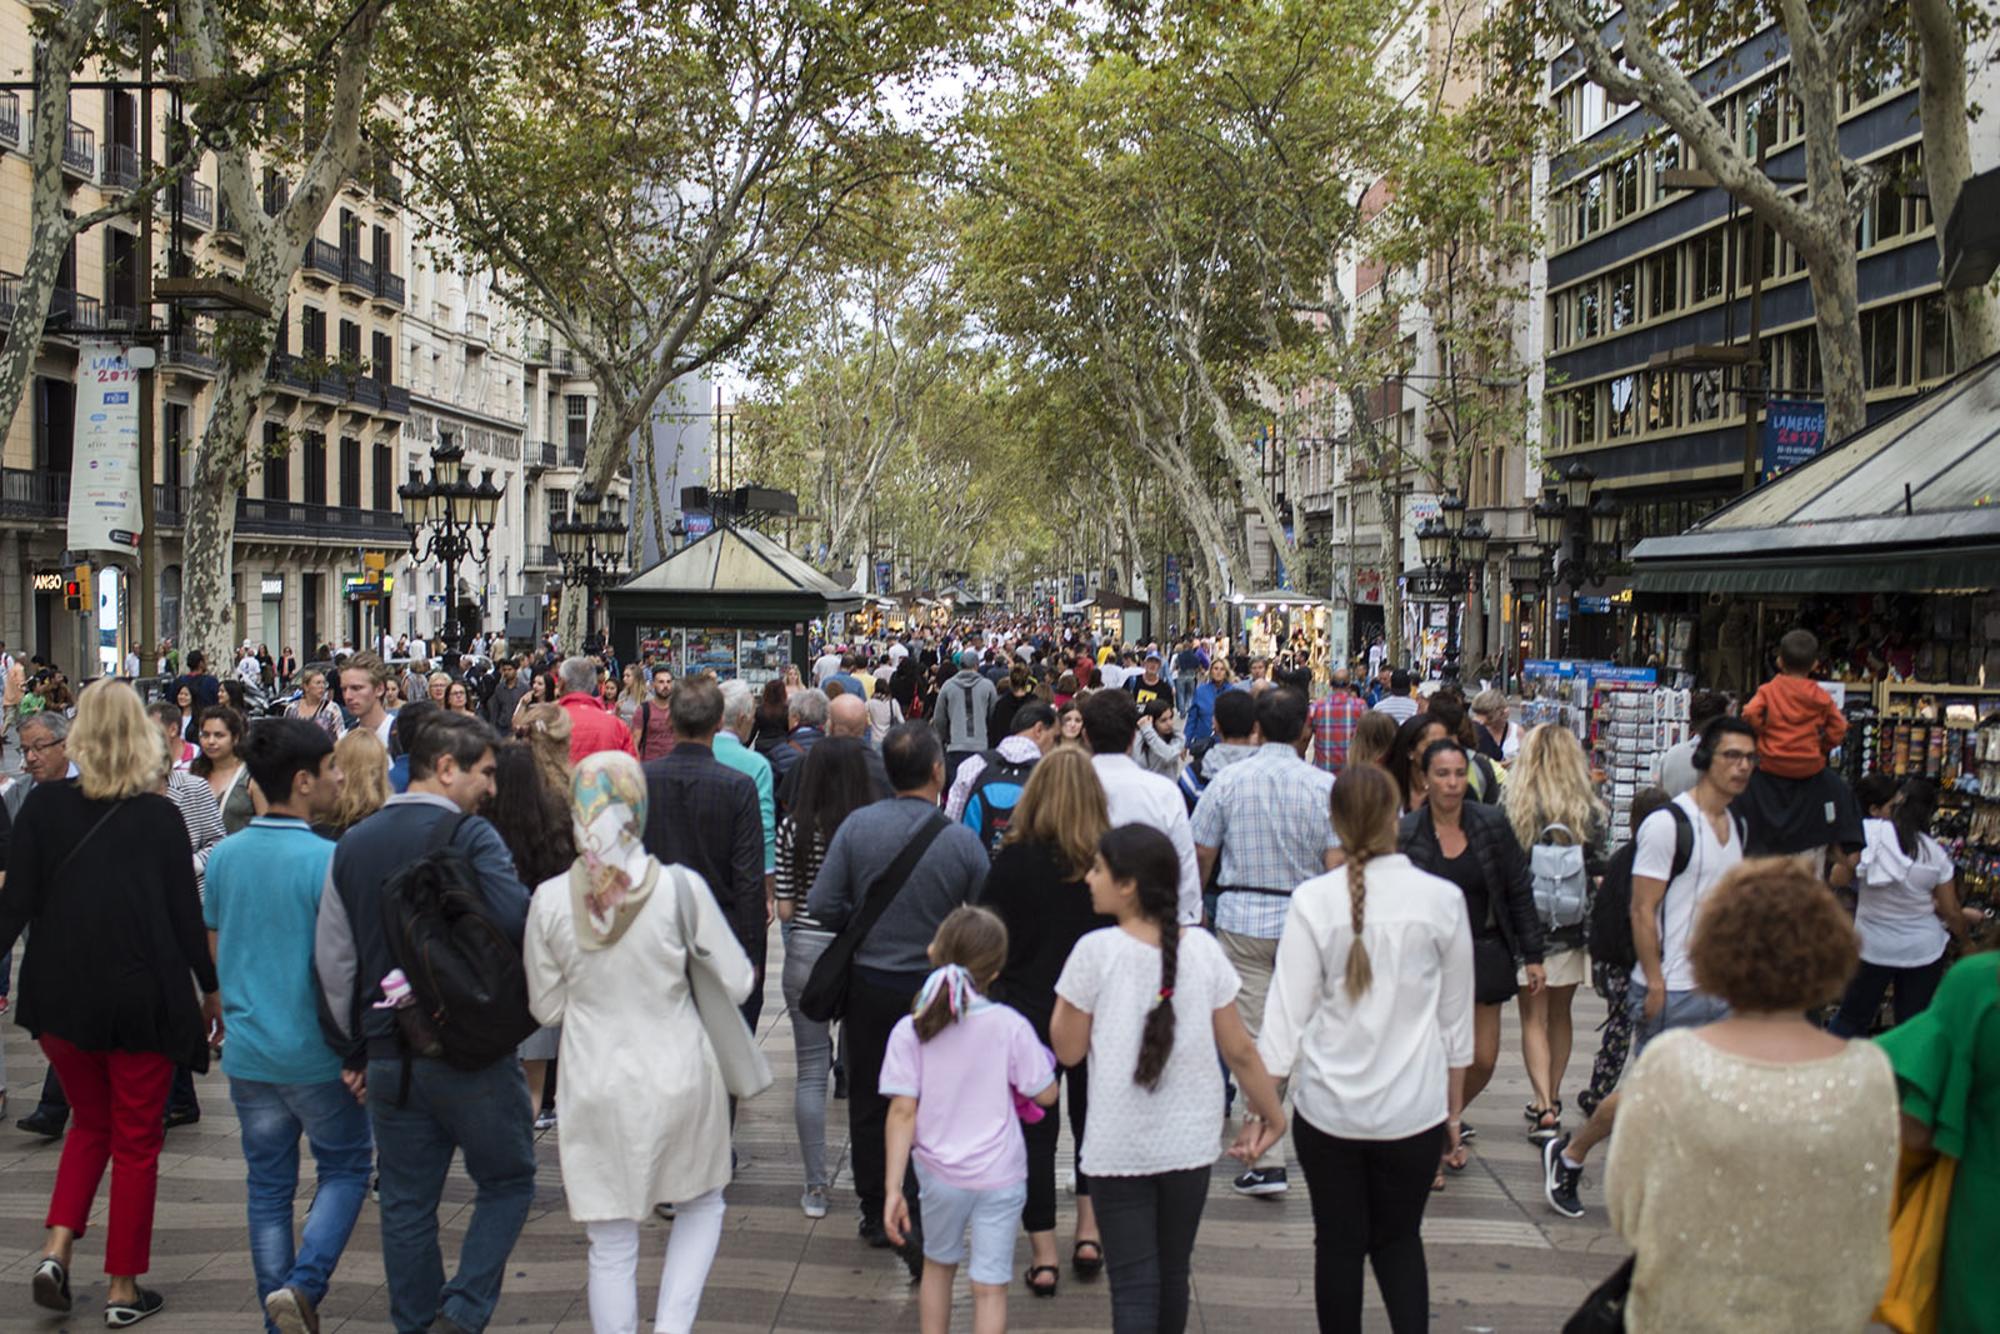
(1886, 547)
(1287, 627)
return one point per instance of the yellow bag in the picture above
(1916, 1242)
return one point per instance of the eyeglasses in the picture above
(1748, 757)
(44, 748)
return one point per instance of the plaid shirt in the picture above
(1268, 817)
(1334, 718)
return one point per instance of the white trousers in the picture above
(614, 1268)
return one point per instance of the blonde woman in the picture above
(546, 729)
(440, 686)
(363, 762)
(1036, 886)
(1549, 798)
(633, 694)
(100, 873)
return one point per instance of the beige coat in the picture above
(644, 1119)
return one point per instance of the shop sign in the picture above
(49, 581)
(1593, 606)
(272, 585)
(1794, 431)
(697, 523)
(1368, 586)
(104, 471)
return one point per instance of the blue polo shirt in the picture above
(264, 885)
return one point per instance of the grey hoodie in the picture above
(963, 705)
(1223, 754)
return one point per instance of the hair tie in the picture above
(954, 982)
(1166, 994)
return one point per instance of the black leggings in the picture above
(1368, 1199)
(1039, 1213)
(1914, 989)
(1149, 1225)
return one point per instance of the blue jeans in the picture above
(484, 1115)
(1684, 1009)
(272, 1116)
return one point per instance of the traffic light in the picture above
(76, 591)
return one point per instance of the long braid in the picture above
(1360, 971)
(1157, 1045)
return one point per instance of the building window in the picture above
(1624, 188)
(176, 442)
(1935, 360)
(1623, 418)
(1590, 207)
(558, 500)
(312, 332)
(1663, 283)
(1710, 266)
(1583, 411)
(315, 468)
(1661, 404)
(385, 477)
(1879, 346)
(383, 364)
(578, 406)
(1704, 396)
(1624, 285)
(277, 463)
(350, 342)
(1589, 311)
(1666, 157)
(55, 423)
(350, 472)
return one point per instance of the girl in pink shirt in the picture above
(954, 1070)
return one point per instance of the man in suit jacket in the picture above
(704, 815)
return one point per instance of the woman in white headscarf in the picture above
(645, 1118)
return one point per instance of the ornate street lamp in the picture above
(450, 520)
(1577, 530)
(1453, 547)
(590, 544)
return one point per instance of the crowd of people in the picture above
(1172, 897)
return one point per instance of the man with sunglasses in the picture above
(1682, 851)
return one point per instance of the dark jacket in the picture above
(1509, 890)
(1047, 910)
(116, 945)
(785, 756)
(703, 815)
(498, 707)
(350, 948)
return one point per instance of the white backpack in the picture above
(1562, 885)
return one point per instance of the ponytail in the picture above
(970, 948)
(946, 995)
(1363, 810)
(1144, 856)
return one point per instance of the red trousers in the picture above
(118, 1103)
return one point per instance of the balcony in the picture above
(287, 374)
(365, 390)
(536, 351)
(10, 297)
(358, 274)
(10, 120)
(73, 312)
(538, 556)
(573, 455)
(344, 523)
(33, 494)
(79, 158)
(388, 288)
(190, 351)
(195, 202)
(169, 506)
(121, 166)
(565, 361)
(548, 453)
(388, 189)
(396, 400)
(176, 62)
(332, 383)
(478, 330)
(323, 263)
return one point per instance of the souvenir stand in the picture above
(1283, 625)
(1887, 547)
(1624, 719)
(1115, 618)
(734, 602)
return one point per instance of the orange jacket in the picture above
(1796, 725)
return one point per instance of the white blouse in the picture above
(1376, 1066)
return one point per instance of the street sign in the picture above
(1794, 431)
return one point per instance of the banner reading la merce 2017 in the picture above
(104, 482)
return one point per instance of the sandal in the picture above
(1055, 1277)
(1087, 1267)
(1547, 1125)
(1437, 1182)
(51, 1285)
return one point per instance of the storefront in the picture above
(734, 603)
(1289, 628)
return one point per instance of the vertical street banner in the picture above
(104, 513)
(884, 572)
(1172, 580)
(1076, 588)
(1794, 431)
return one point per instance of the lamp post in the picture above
(1453, 550)
(1577, 528)
(590, 545)
(450, 520)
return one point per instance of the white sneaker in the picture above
(813, 1202)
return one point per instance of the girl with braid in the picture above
(1370, 1016)
(1151, 1005)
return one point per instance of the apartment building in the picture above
(322, 492)
(1637, 269)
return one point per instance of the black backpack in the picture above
(470, 984)
(1610, 935)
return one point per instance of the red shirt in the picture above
(594, 728)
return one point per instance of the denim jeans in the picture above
(812, 1051)
(482, 1114)
(272, 1117)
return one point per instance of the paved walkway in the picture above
(1500, 1259)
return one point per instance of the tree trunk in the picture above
(50, 228)
(1975, 321)
(208, 619)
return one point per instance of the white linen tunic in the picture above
(644, 1119)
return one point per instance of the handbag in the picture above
(1493, 976)
(1603, 1311)
(1909, 1303)
(824, 996)
(745, 1072)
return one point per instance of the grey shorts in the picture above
(1684, 1009)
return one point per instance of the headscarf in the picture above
(608, 809)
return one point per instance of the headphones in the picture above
(1704, 749)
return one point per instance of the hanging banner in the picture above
(884, 572)
(1172, 581)
(1793, 433)
(104, 466)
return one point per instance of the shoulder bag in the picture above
(745, 1072)
(1603, 1311)
(824, 996)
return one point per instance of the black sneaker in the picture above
(1560, 1180)
(182, 1116)
(911, 1252)
(1261, 1181)
(48, 1127)
(117, 1315)
(872, 1232)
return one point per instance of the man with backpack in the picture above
(989, 785)
(447, 878)
(1681, 853)
(263, 892)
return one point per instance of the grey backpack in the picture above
(1562, 885)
